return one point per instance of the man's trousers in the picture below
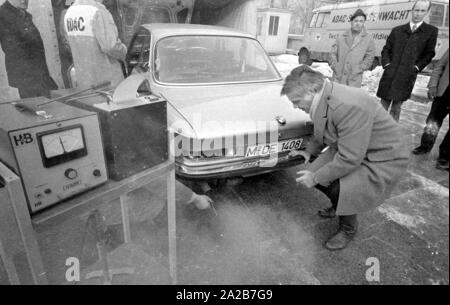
(396, 108)
(347, 223)
(439, 110)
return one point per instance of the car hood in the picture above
(230, 109)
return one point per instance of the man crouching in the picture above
(365, 156)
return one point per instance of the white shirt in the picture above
(411, 24)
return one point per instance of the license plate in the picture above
(273, 148)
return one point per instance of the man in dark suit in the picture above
(437, 90)
(24, 51)
(408, 50)
(365, 156)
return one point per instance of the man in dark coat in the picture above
(408, 50)
(24, 51)
(366, 154)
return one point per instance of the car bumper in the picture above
(242, 167)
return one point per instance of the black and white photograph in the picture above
(224, 149)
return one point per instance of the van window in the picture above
(437, 14)
(323, 19)
(313, 20)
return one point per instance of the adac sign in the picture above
(393, 15)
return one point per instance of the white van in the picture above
(330, 21)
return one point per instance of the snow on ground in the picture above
(286, 62)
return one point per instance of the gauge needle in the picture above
(60, 141)
(73, 145)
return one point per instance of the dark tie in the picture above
(414, 28)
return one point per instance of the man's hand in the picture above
(306, 178)
(432, 92)
(306, 155)
(201, 202)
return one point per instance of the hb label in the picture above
(23, 139)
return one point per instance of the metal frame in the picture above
(16, 232)
(18, 229)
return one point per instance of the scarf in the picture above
(317, 99)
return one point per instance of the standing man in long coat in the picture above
(24, 51)
(353, 52)
(366, 154)
(408, 50)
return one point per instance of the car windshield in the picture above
(211, 59)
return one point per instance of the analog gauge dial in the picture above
(63, 145)
(63, 142)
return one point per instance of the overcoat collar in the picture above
(16, 11)
(407, 28)
(321, 114)
(353, 43)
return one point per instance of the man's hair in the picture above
(429, 4)
(303, 79)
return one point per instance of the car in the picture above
(225, 110)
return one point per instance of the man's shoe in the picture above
(442, 164)
(327, 213)
(420, 150)
(339, 241)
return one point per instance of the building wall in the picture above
(274, 44)
(301, 11)
(43, 19)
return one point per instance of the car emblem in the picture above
(281, 120)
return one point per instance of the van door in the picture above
(439, 18)
(317, 40)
